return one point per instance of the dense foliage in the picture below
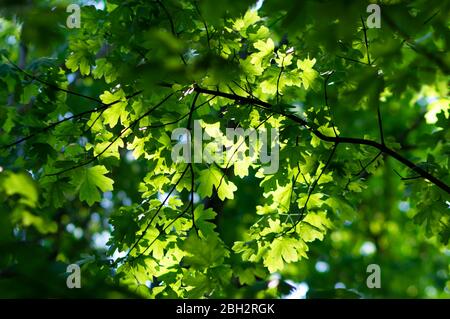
(86, 173)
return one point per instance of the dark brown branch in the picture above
(406, 178)
(191, 202)
(278, 79)
(379, 89)
(179, 119)
(191, 112)
(191, 167)
(332, 139)
(53, 86)
(190, 205)
(432, 17)
(172, 24)
(94, 121)
(294, 181)
(352, 60)
(248, 90)
(52, 125)
(227, 167)
(169, 17)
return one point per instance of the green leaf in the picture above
(104, 69)
(309, 75)
(204, 253)
(89, 181)
(28, 92)
(284, 250)
(42, 225)
(204, 220)
(76, 61)
(23, 185)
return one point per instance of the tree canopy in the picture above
(355, 120)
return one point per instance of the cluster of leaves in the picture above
(87, 143)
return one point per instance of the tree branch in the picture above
(436, 59)
(325, 84)
(131, 126)
(332, 139)
(101, 108)
(156, 214)
(53, 86)
(208, 38)
(311, 190)
(366, 41)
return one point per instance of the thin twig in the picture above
(53, 85)
(325, 84)
(156, 214)
(363, 168)
(204, 24)
(311, 190)
(333, 139)
(366, 41)
(352, 60)
(131, 126)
